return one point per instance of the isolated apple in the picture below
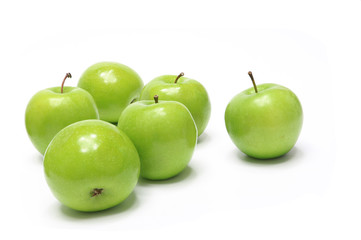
(52, 109)
(264, 121)
(184, 90)
(91, 165)
(164, 134)
(113, 85)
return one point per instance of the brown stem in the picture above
(156, 98)
(254, 83)
(180, 75)
(68, 75)
(96, 192)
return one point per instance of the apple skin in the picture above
(187, 91)
(266, 124)
(49, 111)
(164, 134)
(113, 85)
(87, 155)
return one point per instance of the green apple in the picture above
(52, 109)
(91, 166)
(184, 90)
(164, 134)
(264, 121)
(113, 85)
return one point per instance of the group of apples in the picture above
(98, 138)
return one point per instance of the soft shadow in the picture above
(122, 207)
(291, 155)
(203, 138)
(187, 173)
(38, 158)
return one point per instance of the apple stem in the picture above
(96, 192)
(178, 77)
(68, 75)
(156, 98)
(254, 83)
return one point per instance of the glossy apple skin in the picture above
(265, 124)
(87, 155)
(49, 111)
(113, 85)
(164, 134)
(187, 91)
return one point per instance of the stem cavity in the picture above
(180, 75)
(68, 75)
(254, 83)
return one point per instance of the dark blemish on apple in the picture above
(96, 191)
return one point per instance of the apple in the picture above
(52, 109)
(113, 85)
(91, 165)
(184, 90)
(164, 134)
(264, 121)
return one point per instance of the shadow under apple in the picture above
(38, 158)
(187, 173)
(118, 209)
(291, 155)
(203, 138)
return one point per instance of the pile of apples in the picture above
(98, 138)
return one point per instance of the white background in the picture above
(311, 47)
